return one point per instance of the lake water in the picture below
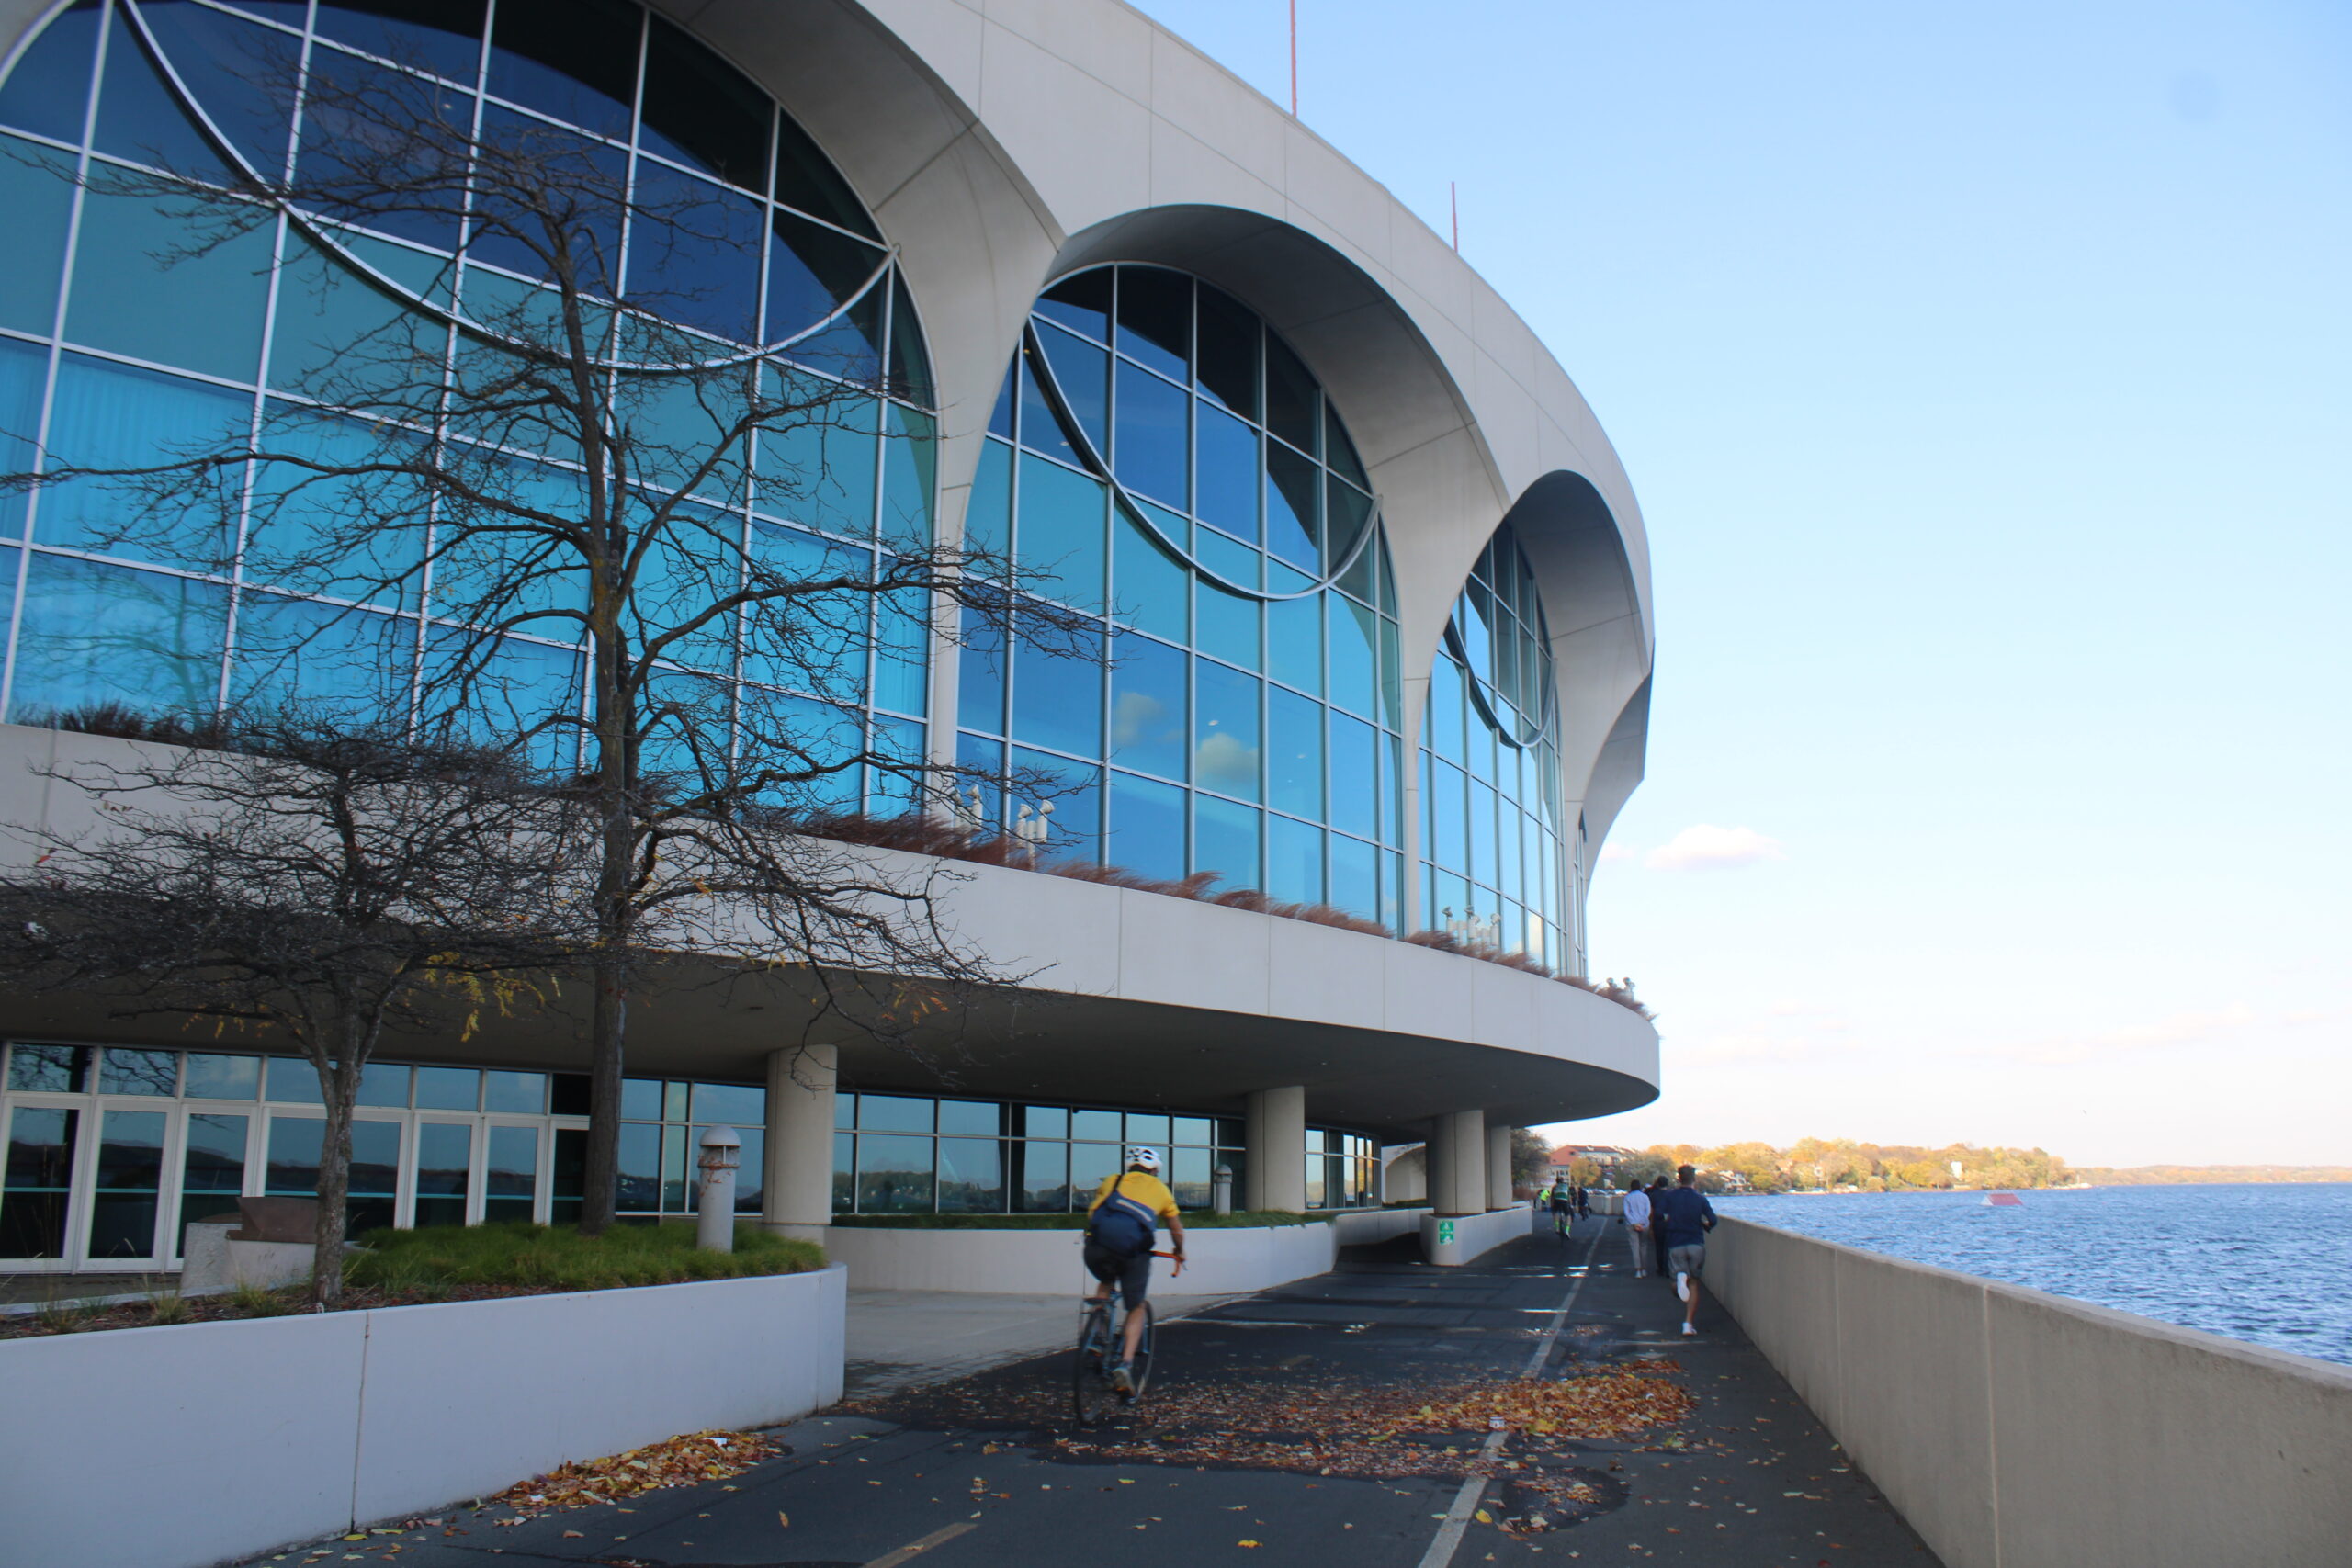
(2271, 1264)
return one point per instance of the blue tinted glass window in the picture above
(1058, 693)
(812, 271)
(1060, 801)
(1355, 651)
(694, 252)
(140, 118)
(1228, 339)
(1353, 777)
(1082, 372)
(130, 295)
(110, 416)
(48, 91)
(23, 369)
(909, 479)
(1482, 834)
(898, 788)
(1448, 705)
(1061, 537)
(1294, 861)
(1147, 706)
(902, 653)
(444, 36)
(979, 691)
(1081, 302)
(818, 463)
(236, 71)
(1449, 817)
(575, 60)
(1293, 512)
(988, 517)
(701, 111)
(1225, 475)
(1294, 753)
(1227, 626)
(1041, 429)
(1225, 840)
(37, 194)
(1224, 730)
(1147, 827)
(1355, 877)
(93, 634)
(1295, 641)
(1153, 436)
(355, 663)
(1156, 319)
(1150, 589)
(980, 792)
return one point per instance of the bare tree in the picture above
(296, 881)
(557, 455)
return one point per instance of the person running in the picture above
(1563, 1205)
(1637, 1215)
(1684, 1217)
(1584, 1203)
(1120, 1226)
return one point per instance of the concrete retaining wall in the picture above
(1041, 1262)
(2017, 1430)
(1474, 1235)
(170, 1448)
(1362, 1227)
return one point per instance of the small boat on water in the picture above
(2002, 1200)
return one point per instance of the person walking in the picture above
(1637, 1216)
(1683, 1218)
(1659, 1189)
(1584, 1203)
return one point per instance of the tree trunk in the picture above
(339, 1085)
(608, 1029)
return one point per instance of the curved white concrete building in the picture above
(1370, 591)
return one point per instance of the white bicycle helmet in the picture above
(1145, 1156)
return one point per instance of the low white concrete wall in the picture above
(1040, 1262)
(2019, 1430)
(1472, 1235)
(172, 1447)
(1362, 1227)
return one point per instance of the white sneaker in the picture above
(1682, 1286)
(1691, 1331)
(1641, 1273)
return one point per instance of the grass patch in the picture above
(437, 1260)
(1246, 1219)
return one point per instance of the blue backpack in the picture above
(1119, 1226)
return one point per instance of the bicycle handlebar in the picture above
(1179, 1259)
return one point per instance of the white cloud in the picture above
(1704, 847)
(2169, 1032)
(1610, 852)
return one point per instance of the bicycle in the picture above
(1092, 1396)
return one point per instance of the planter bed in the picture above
(236, 1438)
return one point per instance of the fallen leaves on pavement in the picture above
(681, 1461)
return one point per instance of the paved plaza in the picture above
(941, 1458)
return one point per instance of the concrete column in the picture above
(797, 1185)
(1457, 1162)
(1277, 1140)
(1498, 1167)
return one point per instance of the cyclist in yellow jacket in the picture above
(1120, 1226)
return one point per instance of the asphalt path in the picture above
(1242, 1453)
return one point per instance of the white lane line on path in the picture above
(1465, 1501)
(917, 1548)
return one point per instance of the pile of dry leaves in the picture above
(681, 1461)
(1339, 1427)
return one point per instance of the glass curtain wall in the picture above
(1164, 462)
(912, 1155)
(107, 357)
(1494, 872)
(111, 1151)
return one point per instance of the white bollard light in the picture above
(722, 1154)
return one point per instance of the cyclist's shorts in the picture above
(1132, 1275)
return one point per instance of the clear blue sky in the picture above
(1986, 375)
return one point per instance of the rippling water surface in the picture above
(2270, 1263)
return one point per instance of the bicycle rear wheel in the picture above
(1140, 1369)
(1092, 1397)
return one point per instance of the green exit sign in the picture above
(1444, 1231)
